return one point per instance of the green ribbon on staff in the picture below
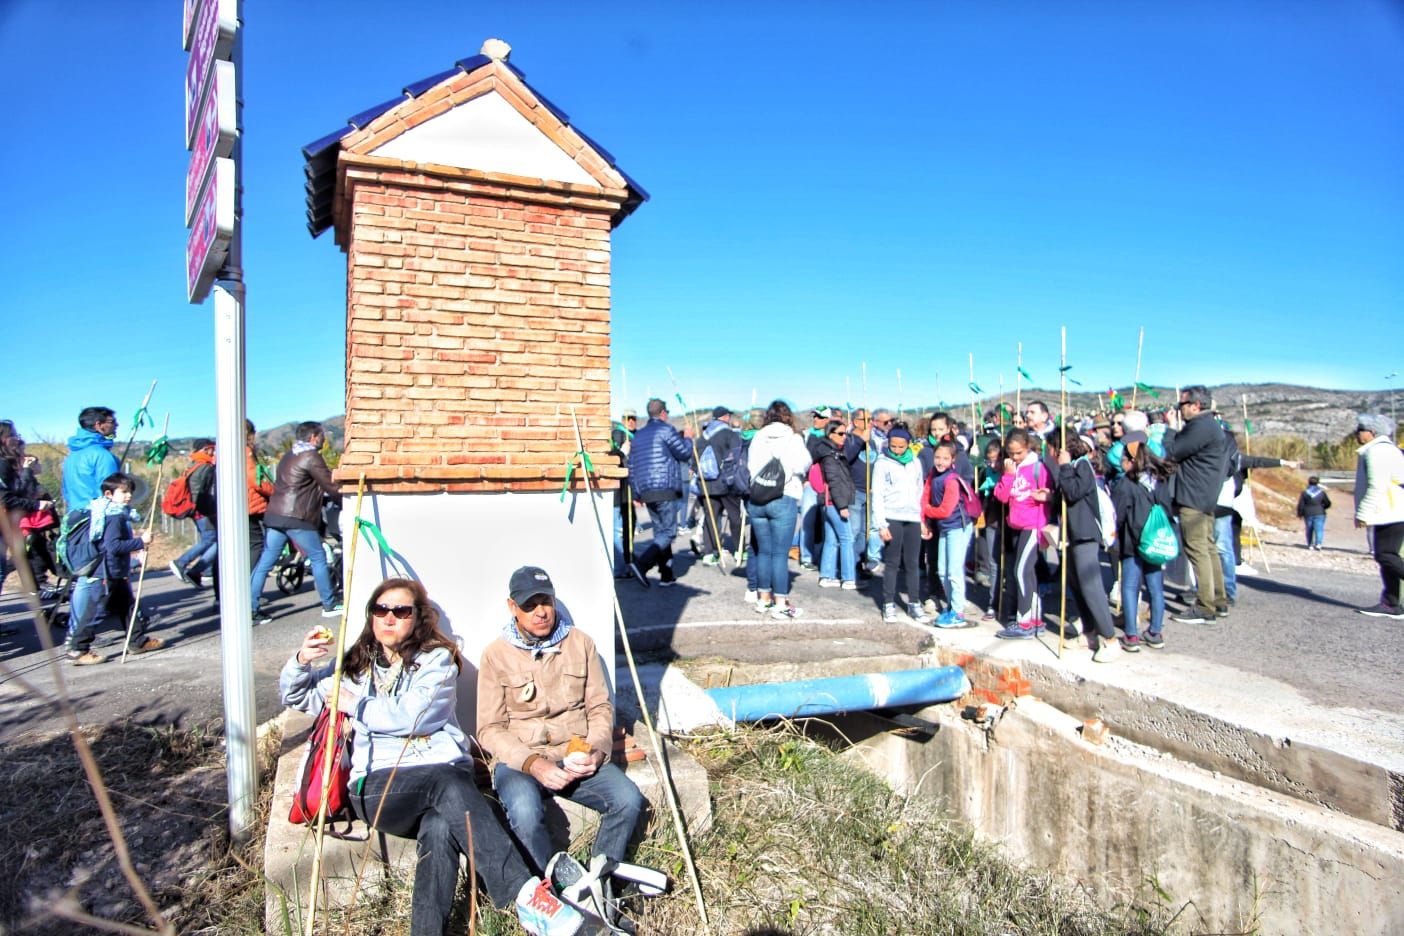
(1148, 390)
(158, 451)
(1247, 427)
(975, 388)
(1026, 375)
(374, 537)
(942, 404)
(261, 473)
(680, 401)
(142, 418)
(1064, 371)
(584, 457)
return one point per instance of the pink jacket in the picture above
(1016, 489)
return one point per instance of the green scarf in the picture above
(816, 432)
(624, 429)
(932, 441)
(903, 459)
(748, 434)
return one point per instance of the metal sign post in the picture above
(214, 83)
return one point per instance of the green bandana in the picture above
(932, 441)
(903, 459)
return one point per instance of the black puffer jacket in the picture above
(837, 477)
(1078, 484)
(1133, 506)
(19, 491)
(296, 503)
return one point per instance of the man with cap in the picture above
(1196, 444)
(717, 452)
(656, 457)
(1379, 507)
(545, 718)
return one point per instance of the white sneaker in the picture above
(1109, 652)
(751, 597)
(929, 606)
(542, 913)
(785, 612)
(889, 614)
(1246, 569)
(828, 583)
(850, 586)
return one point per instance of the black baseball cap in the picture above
(529, 581)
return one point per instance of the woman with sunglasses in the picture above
(410, 771)
(837, 564)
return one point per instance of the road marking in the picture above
(758, 619)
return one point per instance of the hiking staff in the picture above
(1248, 484)
(974, 422)
(867, 465)
(1003, 507)
(1140, 343)
(899, 394)
(159, 450)
(141, 417)
(1063, 501)
(334, 702)
(670, 794)
(1019, 379)
(706, 497)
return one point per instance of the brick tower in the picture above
(476, 223)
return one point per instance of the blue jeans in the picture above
(836, 557)
(774, 524)
(664, 516)
(752, 551)
(1134, 571)
(1223, 541)
(1316, 530)
(201, 556)
(607, 791)
(619, 558)
(867, 544)
(950, 563)
(306, 540)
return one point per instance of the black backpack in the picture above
(734, 473)
(768, 483)
(76, 549)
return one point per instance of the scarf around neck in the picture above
(903, 459)
(564, 625)
(299, 447)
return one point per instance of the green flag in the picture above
(1148, 390)
(158, 451)
(1026, 375)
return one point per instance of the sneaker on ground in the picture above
(542, 913)
(763, 607)
(179, 573)
(694, 545)
(1221, 612)
(829, 583)
(1131, 643)
(261, 617)
(1191, 617)
(83, 659)
(929, 606)
(1383, 610)
(889, 614)
(710, 559)
(850, 586)
(668, 582)
(1154, 641)
(332, 610)
(808, 566)
(990, 615)
(634, 570)
(1108, 652)
(785, 612)
(916, 614)
(1018, 631)
(875, 568)
(751, 597)
(149, 644)
(1245, 569)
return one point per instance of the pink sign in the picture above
(214, 136)
(209, 235)
(212, 40)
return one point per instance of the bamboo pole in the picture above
(670, 794)
(706, 497)
(126, 449)
(1248, 483)
(1003, 511)
(1140, 343)
(334, 702)
(867, 465)
(146, 553)
(1063, 504)
(899, 394)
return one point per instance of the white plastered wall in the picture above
(464, 548)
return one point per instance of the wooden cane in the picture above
(1248, 483)
(334, 702)
(867, 466)
(706, 496)
(146, 553)
(1062, 501)
(1140, 342)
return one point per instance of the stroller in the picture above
(293, 566)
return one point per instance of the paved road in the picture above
(180, 683)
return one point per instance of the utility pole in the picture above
(1390, 376)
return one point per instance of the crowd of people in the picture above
(931, 512)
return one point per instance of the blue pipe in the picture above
(840, 694)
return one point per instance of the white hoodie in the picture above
(778, 440)
(1379, 474)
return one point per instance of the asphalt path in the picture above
(180, 684)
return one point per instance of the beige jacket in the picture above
(532, 705)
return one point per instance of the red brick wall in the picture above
(473, 324)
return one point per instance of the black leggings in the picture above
(1020, 558)
(904, 549)
(1389, 537)
(1085, 570)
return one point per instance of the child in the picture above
(944, 501)
(1144, 486)
(897, 485)
(1077, 481)
(1025, 492)
(110, 527)
(1312, 507)
(991, 550)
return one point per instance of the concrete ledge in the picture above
(1112, 816)
(289, 849)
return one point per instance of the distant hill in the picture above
(268, 441)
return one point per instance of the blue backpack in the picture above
(76, 549)
(734, 472)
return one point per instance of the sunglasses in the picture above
(838, 433)
(401, 612)
(537, 601)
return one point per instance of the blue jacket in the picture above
(654, 459)
(117, 541)
(89, 462)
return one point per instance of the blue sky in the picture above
(898, 186)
